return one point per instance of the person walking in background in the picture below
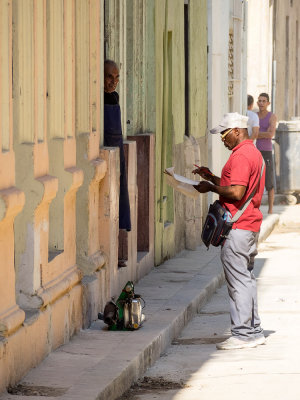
(239, 177)
(253, 120)
(267, 127)
(113, 138)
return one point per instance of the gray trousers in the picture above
(237, 256)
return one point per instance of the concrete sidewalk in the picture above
(99, 364)
(191, 368)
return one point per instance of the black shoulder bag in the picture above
(218, 222)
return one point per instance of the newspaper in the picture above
(181, 183)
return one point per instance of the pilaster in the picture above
(44, 90)
(11, 198)
(89, 256)
(193, 208)
(32, 227)
(11, 316)
(108, 217)
(89, 112)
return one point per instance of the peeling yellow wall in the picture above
(58, 192)
(50, 131)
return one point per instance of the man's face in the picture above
(262, 103)
(111, 78)
(229, 138)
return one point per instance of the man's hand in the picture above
(204, 187)
(204, 172)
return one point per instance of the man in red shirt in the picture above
(240, 175)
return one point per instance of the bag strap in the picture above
(245, 205)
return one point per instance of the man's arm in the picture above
(214, 179)
(271, 129)
(255, 132)
(255, 126)
(233, 192)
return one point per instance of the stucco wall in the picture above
(171, 233)
(272, 37)
(58, 192)
(259, 48)
(198, 67)
(51, 127)
(287, 56)
(226, 72)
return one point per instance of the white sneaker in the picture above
(236, 343)
(260, 340)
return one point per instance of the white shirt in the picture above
(253, 121)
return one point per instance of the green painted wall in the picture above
(198, 67)
(170, 105)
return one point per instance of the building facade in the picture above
(227, 70)
(273, 39)
(273, 61)
(59, 236)
(51, 124)
(286, 55)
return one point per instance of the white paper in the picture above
(181, 183)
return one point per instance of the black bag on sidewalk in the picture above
(218, 222)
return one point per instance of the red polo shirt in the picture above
(243, 168)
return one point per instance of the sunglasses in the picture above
(226, 133)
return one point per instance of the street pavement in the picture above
(192, 369)
(99, 364)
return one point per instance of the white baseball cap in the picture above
(231, 120)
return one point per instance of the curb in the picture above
(175, 292)
(162, 340)
(267, 226)
(156, 347)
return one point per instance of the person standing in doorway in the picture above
(113, 138)
(267, 127)
(253, 120)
